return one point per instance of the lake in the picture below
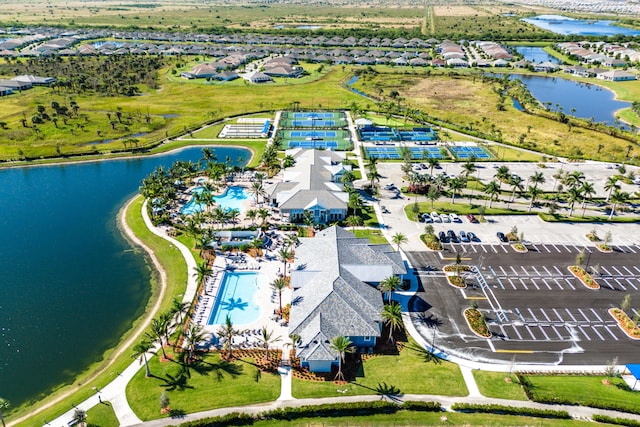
(71, 284)
(535, 54)
(563, 25)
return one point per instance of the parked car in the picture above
(472, 236)
(502, 237)
(391, 186)
(455, 218)
(452, 236)
(445, 218)
(443, 237)
(464, 238)
(472, 219)
(426, 218)
(434, 215)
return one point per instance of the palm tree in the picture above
(178, 307)
(502, 174)
(353, 221)
(469, 168)
(610, 185)
(516, 182)
(195, 334)
(537, 178)
(392, 316)
(355, 202)
(284, 255)
(158, 331)
(618, 197)
(294, 341)
(4, 405)
(202, 271)
(587, 191)
(227, 332)
(267, 339)
(256, 189)
(291, 241)
(573, 195)
(493, 190)
(279, 285)
(575, 178)
(80, 417)
(533, 192)
(433, 194)
(263, 214)
(432, 162)
(140, 350)
(251, 214)
(342, 345)
(455, 185)
(399, 239)
(389, 285)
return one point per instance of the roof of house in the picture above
(330, 297)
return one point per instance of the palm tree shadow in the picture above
(384, 390)
(222, 368)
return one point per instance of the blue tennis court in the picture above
(313, 144)
(394, 153)
(310, 123)
(312, 115)
(465, 152)
(314, 134)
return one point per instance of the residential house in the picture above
(334, 294)
(616, 76)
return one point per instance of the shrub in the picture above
(618, 421)
(511, 410)
(412, 405)
(476, 322)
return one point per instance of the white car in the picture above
(455, 218)
(445, 218)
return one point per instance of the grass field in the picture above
(217, 384)
(495, 384)
(102, 416)
(374, 236)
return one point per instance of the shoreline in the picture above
(134, 333)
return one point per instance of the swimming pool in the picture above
(236, 298)
(232, 198)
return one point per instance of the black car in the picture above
(452, 236)
(443, 237)
(472, 236)
(502, 237)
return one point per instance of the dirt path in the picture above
(134, 336)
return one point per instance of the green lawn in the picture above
(461, 207)
(412, 418)
(102, 416)
(374, 236)
(217, 385)
(494, 384)
(406, 372)
(584, 390)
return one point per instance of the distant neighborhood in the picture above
(259, 58)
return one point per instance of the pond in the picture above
(563, 25)
(71, 284)
(535, 54)
(588, 100)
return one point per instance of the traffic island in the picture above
(626, 323)
(476, 321)
(584, 277)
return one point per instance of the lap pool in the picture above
(236, 298)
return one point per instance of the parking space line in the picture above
(597, 333)
(547, 270)
(631, 249)
(533, 267)
(515, 273)
(483, 248)
(557, 314)
(583, 315)
(595, 313)
(629, 271)
(571, 315)
(637, 269)
(494, 248)
(517, 311)
(524, 284)
(503, 271)
(546, 337)
(533, 316)
(560, 337)
(608, 285)
(631, 284)
(614, 336)
(525, 270)
(617, 271)
(545, 315)
(558, 283)
(517, 333)
(546, 284)
(620, 284)
(503, 332)
(584, 333)
(558, 270)
(606, 271)
(556, 248)
(528, 328)
(511, 281)
(504, 249)
(565, 246)
(586, 249)
(568, 282)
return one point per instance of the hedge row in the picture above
(510, 410)
(319, 411)
(528, 390)
(618, 421)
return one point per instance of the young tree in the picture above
(140, 350)
(267, 339)
(392, 317)
(389, 285)
(399, 239)
(342, 345)
(279, 285)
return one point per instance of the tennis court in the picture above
(313, 144)
(313, 134)
(313, 115)
(466, 152)
(312, 120)
(394, 153)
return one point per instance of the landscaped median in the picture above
(626, 324)
(477, 323)
(584, 277)
(453, 275)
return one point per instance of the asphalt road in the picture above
(536, 310)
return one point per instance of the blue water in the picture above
(70, 284)
(588, 100)
(535, 54)
(232, 198)
(351, 81)
(236, 298)
(562, 25)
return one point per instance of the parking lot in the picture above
(537, 311)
